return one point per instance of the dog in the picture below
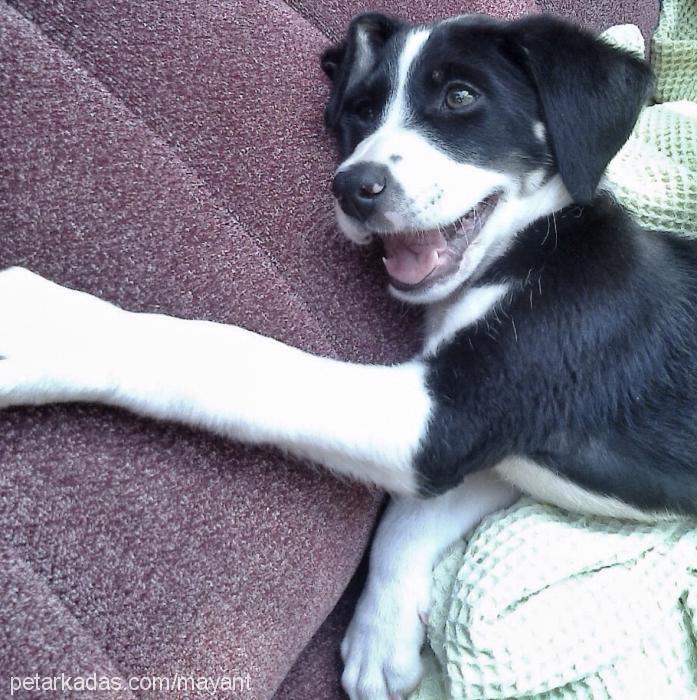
(560, 354)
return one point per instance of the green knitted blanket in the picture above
(544, 604)
(655, 173)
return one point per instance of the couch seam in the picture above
(89, 633)
(269, 261)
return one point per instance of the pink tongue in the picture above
(410, 258)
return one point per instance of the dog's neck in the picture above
(553, 232)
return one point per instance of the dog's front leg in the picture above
(62, 345)
(381, 649)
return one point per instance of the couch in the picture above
(172, 157)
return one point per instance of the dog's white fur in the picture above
(381, 647)
(362, 421)
(444, 321)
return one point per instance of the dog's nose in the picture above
(358, 188)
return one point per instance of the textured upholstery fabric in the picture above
(170, 549)
(171, 157)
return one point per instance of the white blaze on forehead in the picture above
(397, 108)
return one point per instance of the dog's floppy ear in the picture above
(591, 95)
(348, 62)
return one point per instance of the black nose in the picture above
(358, 188)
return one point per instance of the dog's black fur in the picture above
(589, 367)
(589, 370)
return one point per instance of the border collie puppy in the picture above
(561, 346)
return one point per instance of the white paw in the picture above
(52, 340)
(382, 647)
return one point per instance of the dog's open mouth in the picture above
(419, 258)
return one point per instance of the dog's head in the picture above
(457, 135)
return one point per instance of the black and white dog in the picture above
(561, 345)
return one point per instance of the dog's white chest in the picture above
(446, 319)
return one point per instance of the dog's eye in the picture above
(460, 97)
(364, 110)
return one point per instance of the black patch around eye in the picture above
(490, 123)
(364, 109)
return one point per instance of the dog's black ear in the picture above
(591, 95)
(348, 62)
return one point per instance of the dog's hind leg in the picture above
(60, 345)
(381, 649)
